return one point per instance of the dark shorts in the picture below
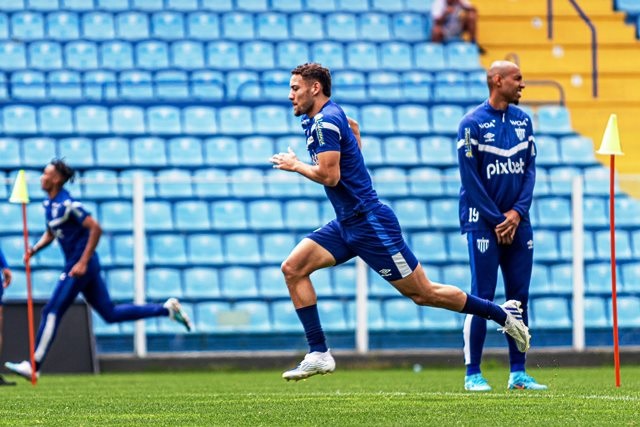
(375, 237)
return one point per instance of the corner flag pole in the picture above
(611, 146)
(20, 194)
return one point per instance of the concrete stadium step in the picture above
(592, 8)
(578, 86)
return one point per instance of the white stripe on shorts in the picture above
(401, 265)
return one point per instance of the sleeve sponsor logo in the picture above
(467, 143)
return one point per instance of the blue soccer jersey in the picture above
(496, 155)
(64, 217)
(3, 261)
(329, 131)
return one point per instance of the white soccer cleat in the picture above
(514, 326)
(177, 313)
(23, 369)
(314, 363)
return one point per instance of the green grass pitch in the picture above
(432, 396)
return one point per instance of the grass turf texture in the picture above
(433, 396)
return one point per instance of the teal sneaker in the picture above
(177, 313)
(519, 380)
(476, 382)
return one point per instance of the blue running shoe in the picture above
(476, 382)
(519, 380)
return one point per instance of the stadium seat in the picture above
(27, 26)
(238, 26)
(116, 216)
(265, 214)
(271, 119)
(548, 150)
(411, 213)
(553, 212)
(37, 152)
(275, 84)
(252, 316)
(603, 245)
(19, 119)
(389, 182)
(229, 214)
(401, 314)
(91, 119)
(440, 320)
(201, 283)
(425, 182)
(277, 246)
(409, 27)
(332, 315)
(45, 55)
(596, 181)
(204, 248)
(285, 318)
(223, 55)
(4, 26)
(341, 26)
(132, 25)
(429, 246)
(554, 119)
(128, 119)
(546, 246)
(174, 183)
(43, 282)
(577, 150)
(185, 151)
(112, 152)
(597, 278)
(164, 120)
(63, 26)
(301, 214)
(157, 215)
(429, 56)
(462, 56)
(167, 25)
(412, 119)
(100, 85)
(211, 317)
(64, 85)
(101, 184)
(12, 246)
(372, 151)
(152, 54)
(77, 151)
(55, 119)
(374, 26)
(163, 283)
(258, 55)
(344, 280)
(255, 150)
(247, 182)
(307, 26)
(199, 120)
(437, 151)
(28, 85)
(271, 283)
(142, 147)
(628, 309)
(290, 54)
(444, 213)
(210, 182)
(595, 211)
(51, 256)
(445, 118)
(630, 276)
(243, 85)
(97, 26)
(121, 284)
(349, 85)
(627, 212)
(12, 56)
(203, 26)
(550, 313)
(4, 93)
(362, 56)
(9, 156)
(416, 86)
(236, 120)
(135, 85)
(396, 56)
(116, 55)
(283, 184)
(209, 85)
(566, 245)
(187, 54)
(375, 321)
(378, 118)
(239, 282)
(221, 151)
(383, 85)
(182, 5)
(167, 249)
(122, 247)
(329, 54)
(595, 313)
(109, 5)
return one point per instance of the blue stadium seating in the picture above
(252, 316)
(19, 119)
(554, 119)
(329, 54)
(598, 278)
(158, 215)
(429, 56)
(101, 184)
(184, 151)
(27, 25)
(577, 150)
(548, 150)
(451, 181)
(122, 246)
(45, 55)
(450, 86)
(141, 147)
(174, 183)
(257, 55)
(285, 318)
(412, 119)
(389, 181)
(247, 182)
(241, 248)
(412, 213)
(457, 247)
(344, 280)
(238, 26)
(272, 283)
(120, 283)
(290, 54)
(375, 320)
(100, 85)
(229, 214)
(378, 118)
(236, 120)
(350, 85)
(116, 55)
(64, 85)
(400, 150)
(271, 119)
(55, 119)
(595, 313)
(116, 216)
(167, 25)
(396, 56)
(362, 56)
(128, 119)
(416, 85)
(187, 55)
(265, 214)
(439, 319)
(132, 25)
(204, 249)
(409, 27)
(627, 211)
(628, 309)
(550, 313)
(210, 182)
(444, 213)
(207, 84)
(630, 276)
(372, 151)
(37, 152)
(163, 282)
(429, 247)
(9, 155)
(301, 214)
(445, 118)
(97, 26)
(135, 85)
(201, 283)
(63, 25)
(28, 85)
(628, 6)
(167, 249)
(12, 56)
(199, 120)
(401, 314)
(112, 152)
(152, 54)
(553, 212)
(332, 315)
(603, 245)
(275, 247)
(239, 282)
(383, 85)
(462, 56)
(546, 246)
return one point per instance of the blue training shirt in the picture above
(3, 261)
(329, 131)
(496, 156)
(64, 217)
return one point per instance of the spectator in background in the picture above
(6, 281)
(452, 19)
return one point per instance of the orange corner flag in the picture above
(611, 138)
(20, 194)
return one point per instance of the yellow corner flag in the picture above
(611, 138)
(20, 194)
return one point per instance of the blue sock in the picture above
(473, 368)
(484, 308)
(312, 328)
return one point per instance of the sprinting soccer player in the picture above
(363, 227)
(5, 275)
(496, 156)
(78, 235)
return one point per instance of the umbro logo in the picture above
(385, 272)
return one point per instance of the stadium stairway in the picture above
(519, 27)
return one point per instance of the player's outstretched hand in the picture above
(6, 274)
(285, 161)
(78, 269)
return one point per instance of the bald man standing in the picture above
(496, 156)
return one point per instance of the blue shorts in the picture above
(375, 237)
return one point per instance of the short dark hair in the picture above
(64, 170)
(314, 71)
